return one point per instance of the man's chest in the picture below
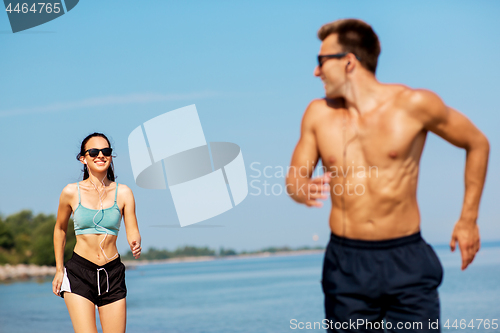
(379, 139)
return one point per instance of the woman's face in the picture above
(100, 163)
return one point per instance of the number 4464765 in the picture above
(463, 324)
(24, 8)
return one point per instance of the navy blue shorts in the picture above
(393, 280)
(99, 284)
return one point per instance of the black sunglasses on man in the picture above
(323, 57)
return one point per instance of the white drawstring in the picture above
(98, 282)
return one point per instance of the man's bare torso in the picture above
(374, 162)
(370, 138)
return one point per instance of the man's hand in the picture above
(135, 246)
(317, 188)
(467, 235)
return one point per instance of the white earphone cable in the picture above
(101, 197)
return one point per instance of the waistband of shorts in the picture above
(90, 265)
(383, 244)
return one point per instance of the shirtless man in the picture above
(370, 137)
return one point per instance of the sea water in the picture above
(260, 295)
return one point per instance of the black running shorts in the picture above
(394, 280)
(99, 284)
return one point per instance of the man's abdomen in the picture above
(382, 206)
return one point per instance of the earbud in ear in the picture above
(85, 162)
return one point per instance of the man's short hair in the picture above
(355, 36)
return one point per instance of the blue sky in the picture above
(248, 66)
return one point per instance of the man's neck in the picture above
(363, 93)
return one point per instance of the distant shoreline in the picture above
(23, 272)
(133, 263)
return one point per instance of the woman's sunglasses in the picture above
(94, 152)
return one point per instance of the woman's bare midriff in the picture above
(87, 246)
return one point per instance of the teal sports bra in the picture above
(97, 221)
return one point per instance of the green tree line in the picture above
(28, 239)
(186, 251)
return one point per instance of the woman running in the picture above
(95, 276)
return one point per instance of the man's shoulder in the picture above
(317, 104)
(421, 104)
(416, 99)
(324, 105)
(318, 109)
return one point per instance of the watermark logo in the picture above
(29, 13)
(270, 180)
(205, 180)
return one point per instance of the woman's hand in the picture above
(135, 246)
(57, 282)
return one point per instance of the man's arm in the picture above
(299, 184)
(457, 129)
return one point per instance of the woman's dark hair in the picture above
(111, 174)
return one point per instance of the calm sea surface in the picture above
(243, 295)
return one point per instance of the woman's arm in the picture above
(130, 220)
(63, 214)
